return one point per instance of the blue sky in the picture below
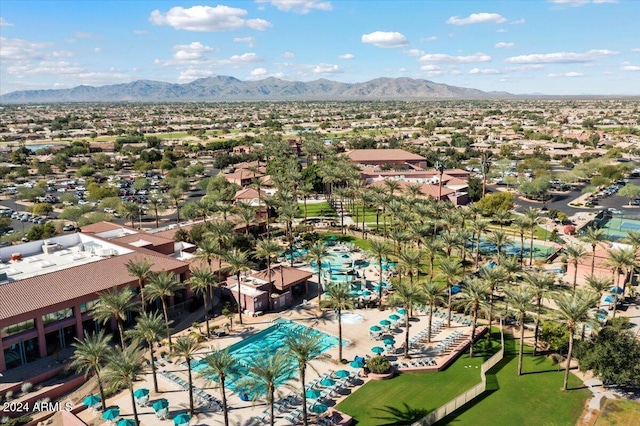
(556, 47)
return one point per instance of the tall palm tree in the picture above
(115, 304)
(479, 227)
(493, 277)
(149, 328)
(433, 295)
(407, 295)
(598, 284)
(90, 355)
(573, 309)
(500, 239)
(317, 253)
(440, 165)
(574, 254)
(219, 364)
(451, 271)
(473, 299)
(200, 283)
(531, 215)
(141, 269)
(380, 250)
(411, 260)
(338, 299)
(520, 299)
(124, 366)
(540, 284)
(303, 347)
(239, 262)
(432, 247)
(503, 217)
(162, 286)
(185, 348)
(264, 374)
(522, 225)
(485, 167)
(247, 214)
(287, 214)
(594, 236)
(268, 250)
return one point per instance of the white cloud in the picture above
(431, 70)
(19, 49)
(430, 38)
(248, 40)
(346, 56)
(385, 39)
(561, 57)
(287, 55)
(97, 49)
(518, 21)
(637, 50)
(630, 68)
(503, 45)
(190, 74)
(299, 6)
(484, 71)
(414, 52)
(449, 59)
(259, 72)
(528, 67)
(326, 69)
(206, 18)
(477, 18)
(577, 3)
(566, 74)
(502, 31)
(245, 58)
(190, 52)
(5, 23)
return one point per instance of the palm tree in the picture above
(473, 299)
(124, 366)
(115, 304)
(411, 260)
(432, 247)
(598, 284)
(503, 217)
(500, 239)
(161, 286)
(287, 214)
(539, 283)
(268, 250)
(574, 254)
(90, 355)
(440, 165)
(380, 250)
(433, 296)
(531, 216)
(219, 364)
(141, 269)
(479, 226)
(573, 309)
(594, 236)
(407, 295)
(159, 205)
(317, 253)
(303, 347)
(520, 298)
(185, 348)
(493, 277)
(485, 167)
(264, 374)
(450, 270)
(247, 213)
(239, 262)
(200, 283)
(338, 299)
(522, 225)
(150, 327)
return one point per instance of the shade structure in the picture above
(313, 393)
(402, 311)
(377, 350)
(111, 413)
(327, 382)
(341, 374)
(126, 422)
(92, 400)
(610, 298)
(319, 408)
(617, 290)
(455, 289)
(389, 341)
(181, 419)
(357, 364)
(394, 317)
(141, 393)
(385, 323)
(375, 328)
(160, 404)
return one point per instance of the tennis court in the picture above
(617, 228)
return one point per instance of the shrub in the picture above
(8, 396)
(26, 387)
(378, 364)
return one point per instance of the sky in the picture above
(554, 47)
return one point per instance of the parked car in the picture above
(68, 227)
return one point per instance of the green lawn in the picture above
(619, 412)
(359, 242)
(316, 209)
(532, 399)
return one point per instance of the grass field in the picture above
(316, 209)
(532, 399)
(619, 412)
(359, 242)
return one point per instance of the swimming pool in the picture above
(512, 248)
(342, 265)
(272, 339)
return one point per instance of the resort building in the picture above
(392, 158)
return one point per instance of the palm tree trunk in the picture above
(141, 286)
(166, 320)
(521, 349)
(429, 325)
(206, 312)
(531, 246)
(477, 251)
(537, 326)
(305, 420)
(319, 262)
(593, 259)
(364, 205)
(490, 311)
(225, 409)
(569, 354)
(339, 334)
(188, 359)
(406, 332)
(270, 396)
(473, 331)
(380, 284)
(269, 287)
(133, 404)
(305, 209)
(575, 274)
(449, 307)
(121, 331)
(521, 249)
(101, 390)
(153, 367)
(240, 296)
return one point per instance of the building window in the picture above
(86, 307)
(17, 328)
(57, 316)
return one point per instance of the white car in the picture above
(108, 210)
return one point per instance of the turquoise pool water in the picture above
(272, 339)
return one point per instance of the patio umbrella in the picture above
(389, 341)
(111, 413)
(394, 317)
(357, 364)
(617, 290)
(386, 323)
(141, 393)
(91, 400)
(610, 298)
(342, 374)
(327, 382)
(181, 419)
(377, 350)
(319, 408)
(366, 293)
(455, 289)
(313, 393)
(375, 328)
(126, 422)
(354, 293)
(160, 404)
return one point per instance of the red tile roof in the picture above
(364, 155)
(279, 273)
(98, 227)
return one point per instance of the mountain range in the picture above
(225, 88)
